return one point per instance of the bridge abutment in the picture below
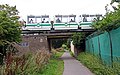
(33, 43)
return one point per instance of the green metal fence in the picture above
(105, 45)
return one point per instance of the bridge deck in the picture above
(56, 31)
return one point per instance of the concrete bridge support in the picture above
(33, 43)
(73, 49)
(76, 50)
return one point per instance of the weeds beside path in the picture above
(55, 65)
(96, 65)
(40, 63)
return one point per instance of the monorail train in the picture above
(60, 22)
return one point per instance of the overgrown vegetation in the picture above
(9, 27)
(26, 64)
(68, 42)
(40, 63)
(112, 1)
(59, 42)
(9, 24)
(55, 66)
(96, 65)
(110, 21)
(79, 39)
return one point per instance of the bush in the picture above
(39, 63)
(25, 64)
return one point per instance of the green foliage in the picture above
(110, 21)
(55, 66)
(57, 43)
(96, 66)
(112, 1)
(9, 24)
(68, 42)
(71, 53)
(78, 38)
(39, 63)
(64, 46)
(27, 64)
(9, 27)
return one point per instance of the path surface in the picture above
(73, 66)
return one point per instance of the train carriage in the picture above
(65, 22)
(60, 22)
(38, 23)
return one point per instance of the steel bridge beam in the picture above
(55, 31)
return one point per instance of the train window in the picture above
(84, 19)
(38, 20)
(31, 20)
(65, 19)
(43, 21)
(72, 18)
(45, 18)
(58, 20)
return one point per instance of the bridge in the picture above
(40, 30)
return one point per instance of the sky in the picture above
(55, 7)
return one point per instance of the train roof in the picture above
(42, 16)
(38, 16)
(31, 16)
(65, 15)
(58, 15)
(45, 16)
(72, 15)
(86, 15)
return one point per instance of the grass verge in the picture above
(55, 65)
(96, 65)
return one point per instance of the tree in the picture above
(9, 26)
(112, 1)
(78, 39)
(110, 21)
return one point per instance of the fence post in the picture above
(92, 45)
(88, 45)
(99, 47)
(110, 46)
